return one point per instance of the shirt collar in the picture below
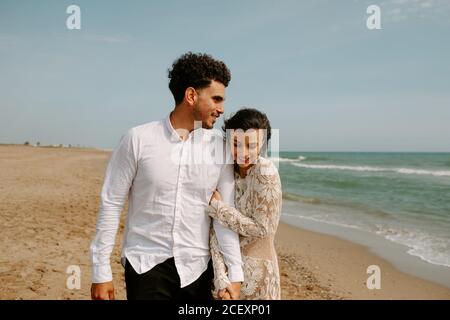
(175, 137)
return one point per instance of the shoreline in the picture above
(341, 266)
(396, 253)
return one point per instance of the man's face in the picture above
(209, 105)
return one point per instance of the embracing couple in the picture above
(194, 230)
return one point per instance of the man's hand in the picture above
(102, 291)
(232, 292)
(235, 290)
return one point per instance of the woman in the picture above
(257, 209)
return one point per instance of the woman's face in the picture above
(246, 146)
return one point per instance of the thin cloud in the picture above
(400, 10)
(107, 38)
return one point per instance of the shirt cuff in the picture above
(101, 273)
(235, 273)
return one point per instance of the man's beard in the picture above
(198, 117)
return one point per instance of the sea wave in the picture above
(435, 173)
(321, 220)
(298, 159)
(360, 207)
(424, 172)
(430, 248)
(298, 198)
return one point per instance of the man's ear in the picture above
(191, 96)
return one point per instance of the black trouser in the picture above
(162, 282)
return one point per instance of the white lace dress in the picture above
(258, 201)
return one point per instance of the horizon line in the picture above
(298, 151)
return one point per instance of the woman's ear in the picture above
(191, 96)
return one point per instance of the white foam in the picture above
(374, 169)
(275, 159)
(323, 220)
(432, 249)
(424, 172)
(336, 167)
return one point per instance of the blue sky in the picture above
(325, 80)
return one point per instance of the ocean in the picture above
(402, 197)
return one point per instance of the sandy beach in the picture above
(49, 201)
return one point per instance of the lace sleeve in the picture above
(221, 280)
(263, 214)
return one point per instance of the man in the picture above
(166, 242)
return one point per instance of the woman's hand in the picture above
(216, 195)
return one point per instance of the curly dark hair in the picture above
(248, 118)
(196, 70)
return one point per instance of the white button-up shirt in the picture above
(167, 197)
